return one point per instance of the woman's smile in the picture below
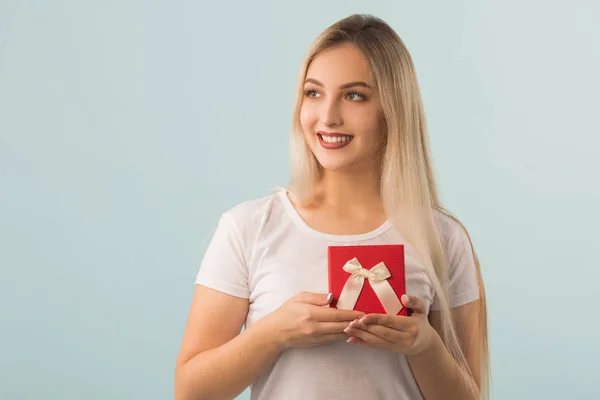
(333, 141)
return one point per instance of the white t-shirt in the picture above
(262, 250)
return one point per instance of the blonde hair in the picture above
(408, 187)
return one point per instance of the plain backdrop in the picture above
(128, 127)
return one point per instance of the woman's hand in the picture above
(407, 335)
(306, 321)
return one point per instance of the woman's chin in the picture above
(336, 165)
(348, 164)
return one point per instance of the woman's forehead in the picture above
(340, 65)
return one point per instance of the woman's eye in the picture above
(355, 96)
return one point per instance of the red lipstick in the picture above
(333, 140)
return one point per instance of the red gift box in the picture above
(362, 260)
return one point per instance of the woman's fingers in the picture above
(415, 303)
(332, 336)
(369, 337)
(383, 332)
(398, 322)
(327, 314)
(331, 327)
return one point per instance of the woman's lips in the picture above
(334, 141)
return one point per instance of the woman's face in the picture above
(340, 115)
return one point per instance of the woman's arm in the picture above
(436, 372)
(216, 361)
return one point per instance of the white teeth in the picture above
(336, 139)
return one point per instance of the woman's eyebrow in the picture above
(344, 86)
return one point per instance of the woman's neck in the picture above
(351, 192)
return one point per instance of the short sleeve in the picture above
(464, 283)
(223, 266)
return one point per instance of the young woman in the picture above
(360, 174)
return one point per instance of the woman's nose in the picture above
(331, 114)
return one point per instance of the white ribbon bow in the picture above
(377, 277)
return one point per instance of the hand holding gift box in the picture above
(372, 279)
(369, 278)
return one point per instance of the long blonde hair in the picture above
(408, 188)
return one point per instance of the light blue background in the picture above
(128, 127)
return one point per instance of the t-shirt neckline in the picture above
(297, 219)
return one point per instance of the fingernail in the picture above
(346, 330)
(329, 297)
(406, 299)
(354, 324)
(362, 320)
(350, 339)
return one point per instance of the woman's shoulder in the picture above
(449, 227)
